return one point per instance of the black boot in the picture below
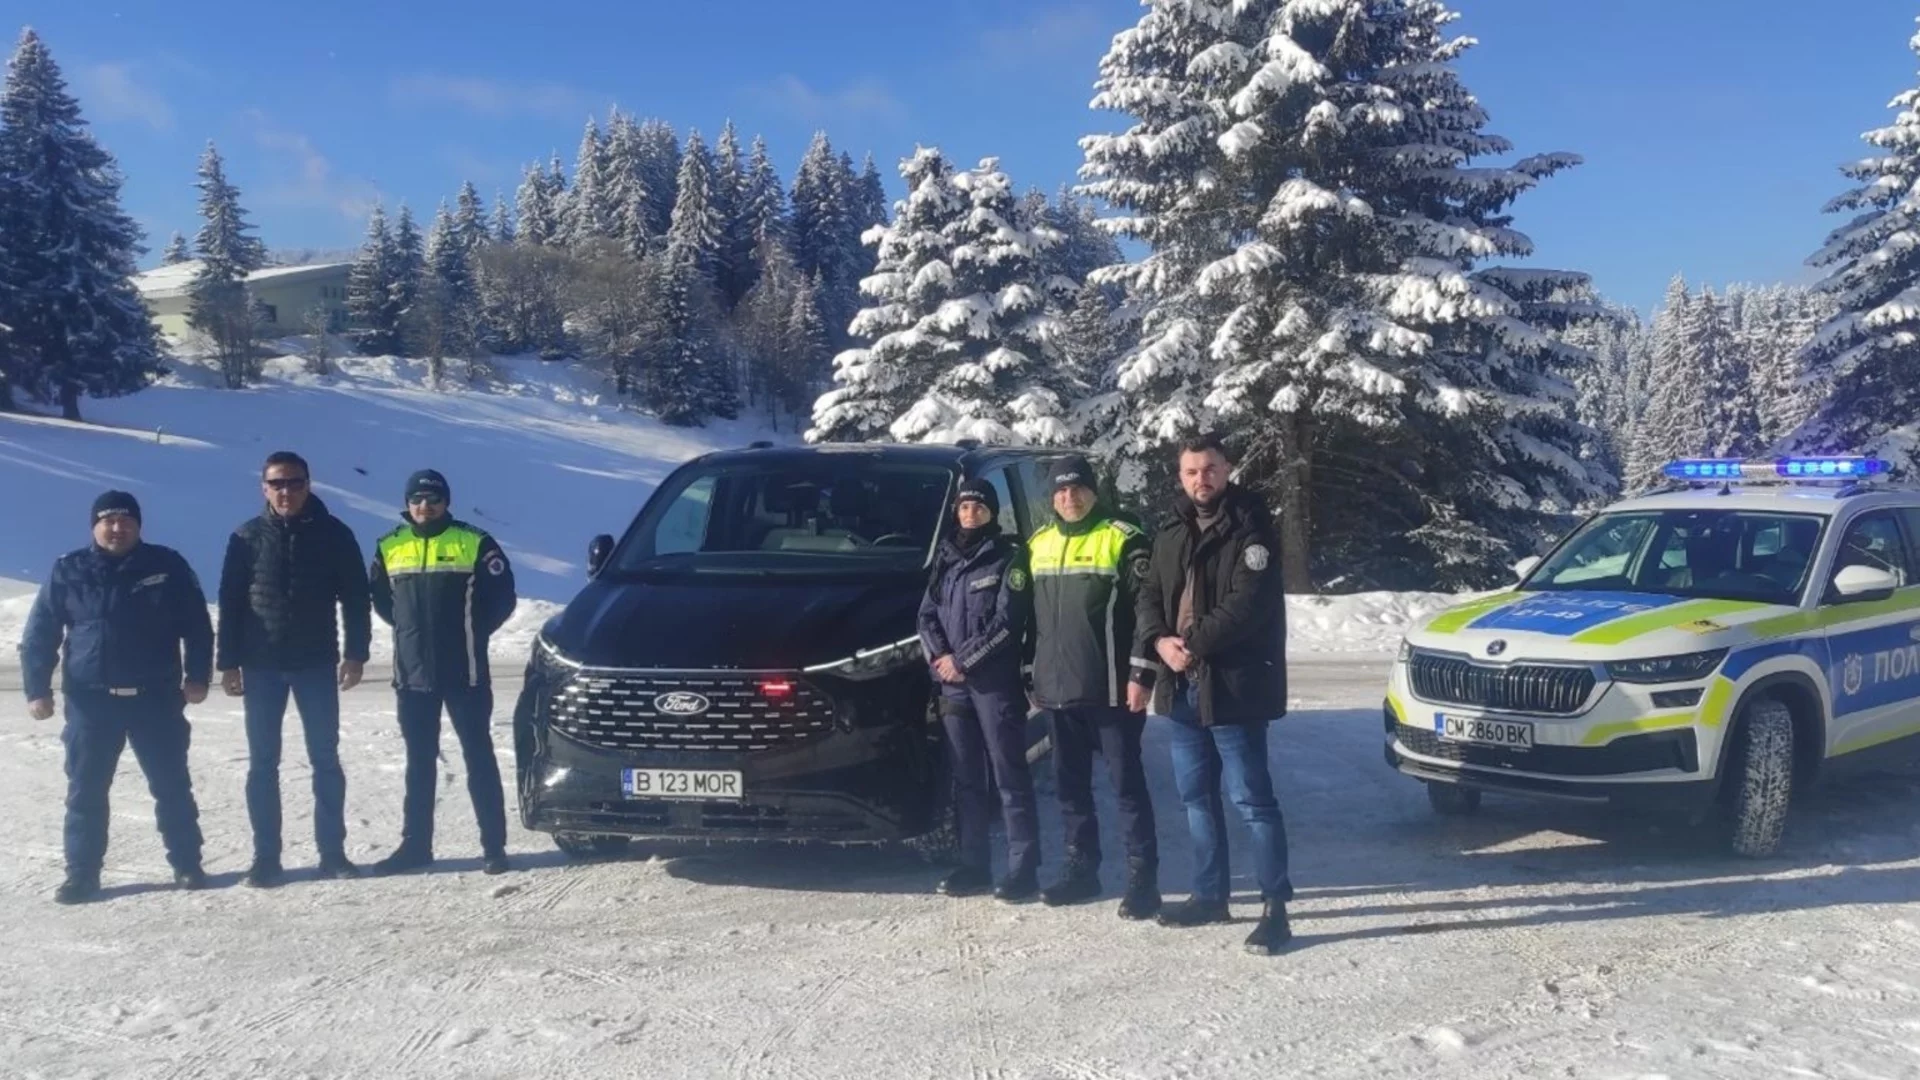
(494, 862)
(1194, 913)
(966, 881)
(1018, 886)
(77, 889)
(1142, 899)
(1271, 933)
(338, 867)
(191, 878)
(1079, 883)
(403, 860)
(264, 874)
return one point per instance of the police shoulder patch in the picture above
(496, 564)
(1016, 579)
(1255, 556)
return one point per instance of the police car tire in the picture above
(1763, 777)
(598, 846)
(1453, 800)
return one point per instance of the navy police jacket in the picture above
(123, 622)
(978, 609)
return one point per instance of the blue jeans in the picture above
(1198, 756)
(317, 695)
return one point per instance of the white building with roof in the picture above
(286, 295)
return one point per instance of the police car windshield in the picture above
(830, 513)
(1718, 554)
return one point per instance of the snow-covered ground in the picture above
(1532, 941)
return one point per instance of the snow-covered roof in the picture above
(169, 282)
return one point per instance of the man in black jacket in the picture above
(1211, 654)
(445, 587)
(123, 609)
(286, 572)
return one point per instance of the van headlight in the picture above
(1686, 667)
(549, 662)
(872, 663)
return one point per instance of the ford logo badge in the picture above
(1495, 648)
(680, 703)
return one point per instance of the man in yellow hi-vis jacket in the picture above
(445, 587)
(1086, 569)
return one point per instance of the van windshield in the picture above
(826, 513)
(1718, 554)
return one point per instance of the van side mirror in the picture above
(1525, 566)
(1864, 584)
(597, 551)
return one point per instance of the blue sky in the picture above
(1712, 128)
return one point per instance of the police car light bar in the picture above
(1788, 468)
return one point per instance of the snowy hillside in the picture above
(543, 462)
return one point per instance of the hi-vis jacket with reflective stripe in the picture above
(444, 591)
(1085, 578)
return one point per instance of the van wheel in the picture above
(1762, 772)
(584, 847)
(1453, 800)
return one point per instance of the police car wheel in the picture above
(1762, 777)
(583, 846)
(1453, 800)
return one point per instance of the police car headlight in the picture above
(1687, 667)
(872, 663)
(1406, 650)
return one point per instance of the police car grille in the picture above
(623, 712)
(1526, 688)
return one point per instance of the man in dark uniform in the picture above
(974, 623)
(286, 572)
(445, 587)
(1086, 568)
(123, 610)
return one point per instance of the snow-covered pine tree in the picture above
(626, 193)
(590, 213)
(875, 384)
(1866, 359)
(697, 232)
(688, 378)
(987, 315)
(759, 324)
(870, 210)
(1091, 338)
(500, 222)
(447, 315)
(218, 305)
(1678, 399)
(734, 269)
(470, 220)
(827, 233)
(659, 167)
(539, 220)
(1608, 402)
(1789, 319)
(177, 251)
(1731, 426)
(765, 199)
(75, 325)
(1304, 174)
(409, 274)
(370, 292)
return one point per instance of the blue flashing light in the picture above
(1789, 468)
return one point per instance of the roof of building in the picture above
(170, 282)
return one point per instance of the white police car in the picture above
(1713, 646)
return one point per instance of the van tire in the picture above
(1762, 777)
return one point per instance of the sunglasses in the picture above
(293, 484)
(426, 500)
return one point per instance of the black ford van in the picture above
(744, 663)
